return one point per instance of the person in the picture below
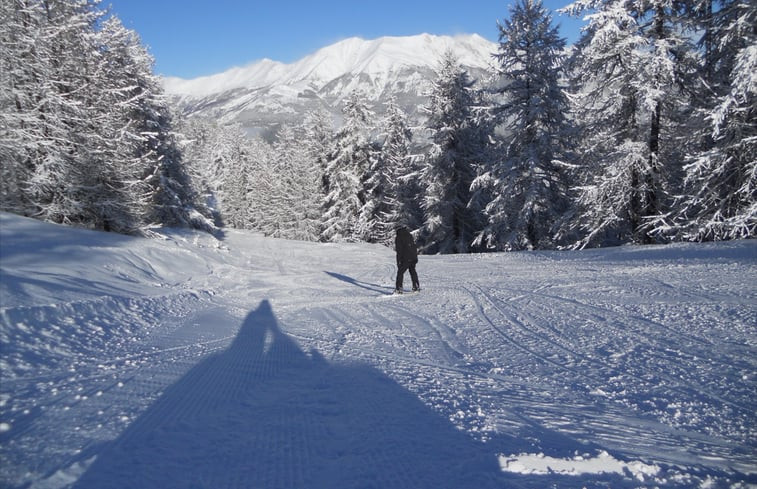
(407, 258)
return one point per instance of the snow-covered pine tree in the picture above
(345, 175)
(21, 129)
(248, 179)
(318, 134)
(77, 104)
(376, 187)
(197, 139)
(89, 175)
(318, 137)
(402, 204)
(607, 105)
(46, 112)
(527, 180)
(110, 154)
(633, 68)
(458, 145)
(294, 199)
(145, 149)
(220, 158)
(719, 198)
(383, 185)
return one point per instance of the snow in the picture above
(601, 464)
(266, 94)
(189, 361)
(378, 57)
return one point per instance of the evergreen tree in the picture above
(376, 192)
(387, 199)
(21, 127)
(634, 71)
(248, 180)
(120, 93)
(457, 146)
(88, 141)
(198, 137)
(145, 139)
(719, 199)
(294, 197)
(319, 135)
(50, 109)
(221, 159)
(345, 175)
(528, 182)
(403, 191)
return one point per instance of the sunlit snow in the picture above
(189, 361)
(377, 57)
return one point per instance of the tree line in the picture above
(645, 131)
(86, 135)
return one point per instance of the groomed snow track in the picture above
(185, 361)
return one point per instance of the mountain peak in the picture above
(377, 57)
(262, 96)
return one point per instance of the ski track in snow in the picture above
(183, 361)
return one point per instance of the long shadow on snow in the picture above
(358, 283)
(263, 413)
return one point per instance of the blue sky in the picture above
(191, 38)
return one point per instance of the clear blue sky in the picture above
(191, 38)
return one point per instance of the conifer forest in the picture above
(644, 131)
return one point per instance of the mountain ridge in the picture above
(265, 94)
(355, 54)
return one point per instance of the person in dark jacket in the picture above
(407, 258)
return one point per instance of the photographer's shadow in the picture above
(265, 414)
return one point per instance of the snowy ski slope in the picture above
(189, 362)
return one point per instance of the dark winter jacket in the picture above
(407, 254)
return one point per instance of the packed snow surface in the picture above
(186, 361)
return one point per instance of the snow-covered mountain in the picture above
(266, 93)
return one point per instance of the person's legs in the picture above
(414, 277)
(401, 267)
